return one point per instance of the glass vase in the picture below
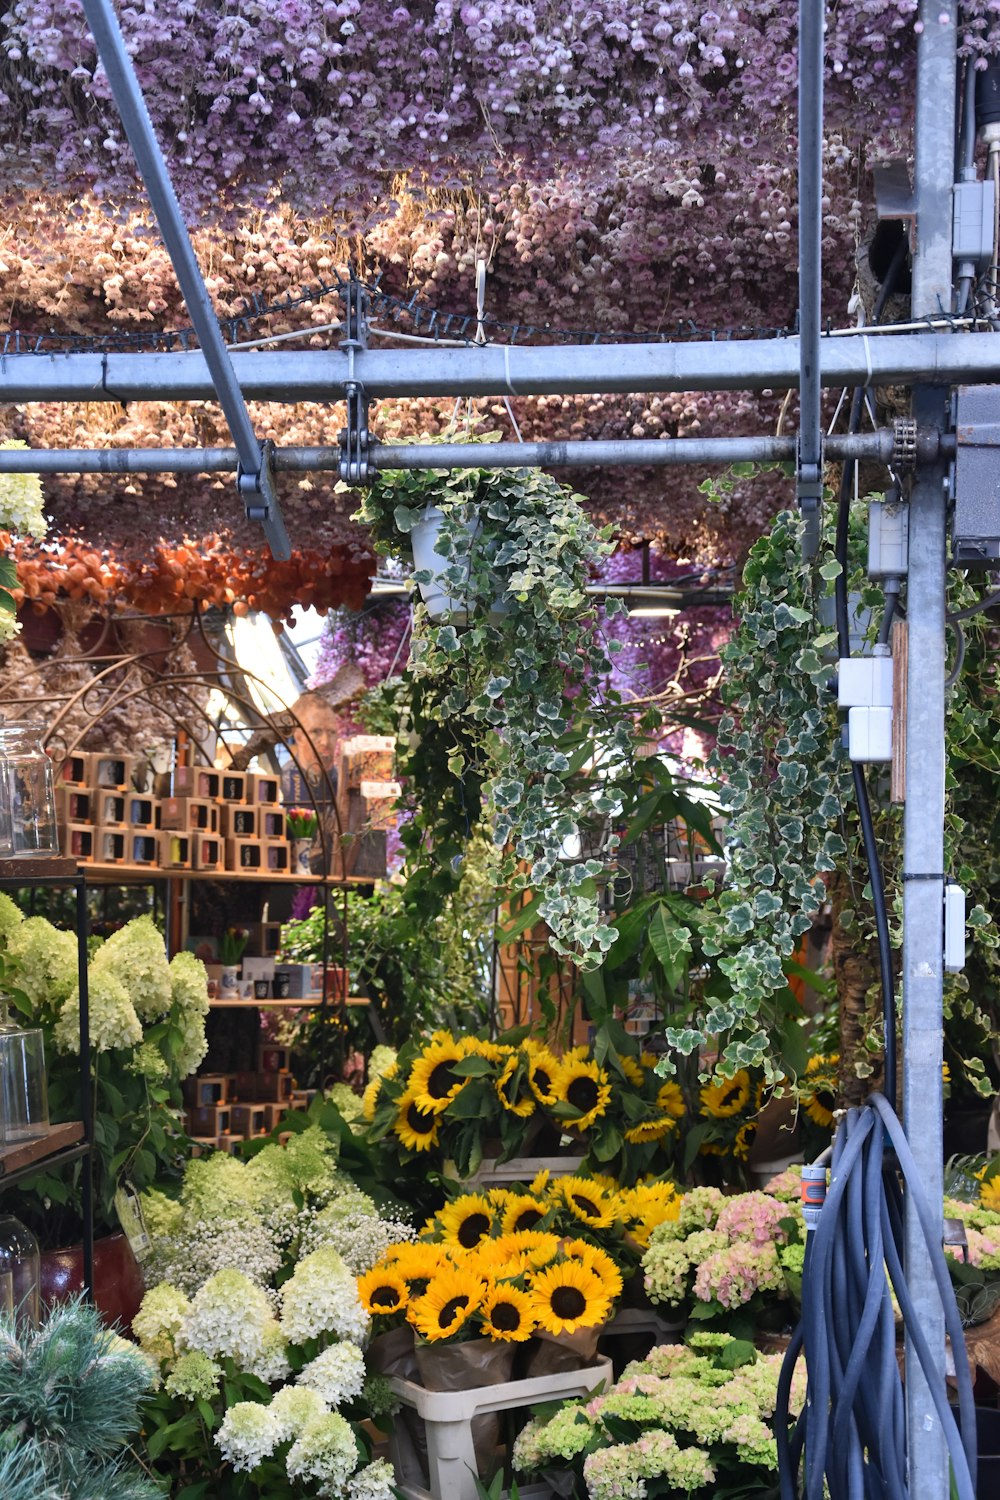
(27, 794)
(24, 1105)
(19, 1272)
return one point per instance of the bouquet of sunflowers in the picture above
(449, 1096)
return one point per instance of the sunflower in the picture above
(989, 1195)
(569, 1296)
(369, 1099)
(819, 1089)
(585, 1201)
(585, 1087)
(727, 1097)
(451, 1297)
(745, 1137)
(539, 1182)
(508, 1314)
(466, 1220)
(596, 1260)
(528, 1250)
(650, 1130)
(543, 1066)
(499, 1198)
(416, 1127)
(513, 1087)
(671, 1100)
(414, 1262)
(635, 1075)
(523, 1212)
(433, 1080)
(493, 1052)
(382, 1290)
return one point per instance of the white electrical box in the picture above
(888, 521)
(865, 681)
(869, 734)
(954, 928)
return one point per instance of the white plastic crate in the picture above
(520, 1169)
(447, 1418)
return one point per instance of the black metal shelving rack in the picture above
(72, 1141)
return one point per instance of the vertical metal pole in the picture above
(812, 15)
(923, 818)
(86, 1093)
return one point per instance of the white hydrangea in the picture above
(194, 1251)
(270, 1363)
(294, 1407)
(21, 500)
(376, 1481)
(189, 993)
(48, 958)
(230, 1318)
(159, 1321)
(355, 1231)
(114, 1024)
(321, 1297)
(326, 1451)
(337, 1373)
(136, 956)
(249, 1433)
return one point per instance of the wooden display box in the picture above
(197, 781)
(273, 1058)
(272, 824)
(265, 940)
(79, 841)
(142, 849)
(141, 811)
(111, 846)
(208, 851)
(233, 786)
(110, 808)
(207, 1088)
(239, 822)
(249, 1119)
(74, 804)
(111, 772)
(273, 1114)
(277, 857)
(244, 854)
(75, 771)
(188, 815)
(209, 1119)
(263, 790)
(175, 851)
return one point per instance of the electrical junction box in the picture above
(975, 531)
(887, 538)
(865, 681)
(869, 734)
(972, 223)
(954, 928)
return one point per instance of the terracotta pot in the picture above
(118, 1279)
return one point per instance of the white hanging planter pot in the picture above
(437, 595)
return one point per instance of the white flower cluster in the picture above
(21, 500)
(321, 1297)
(358, 1235)
(232, 1318)
(196, 1250)
(337, 1373)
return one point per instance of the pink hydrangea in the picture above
(754, 1217)
(732, 1276)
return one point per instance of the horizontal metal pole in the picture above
(490, 370)
(626, 452)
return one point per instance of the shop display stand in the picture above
(71, 1141)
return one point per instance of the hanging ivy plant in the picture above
(503, 706)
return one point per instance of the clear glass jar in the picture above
(24, 1099)
(19, 1272)
(27, 793)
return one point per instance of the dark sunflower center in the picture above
(543, 1083)
(420, 1121)
(442, 1080)
(733, 1095)
(568, 1302)
(472, 1230)
(506, 1317)
(587, 1206)
(385, 1296)
(583, 1094)
(527, 1219)
(451, 1310)
(826, 1099)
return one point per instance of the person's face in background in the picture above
(321, 726)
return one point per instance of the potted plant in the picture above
(232, 946)
(302, 824)
(504, 703)
(147, 1033)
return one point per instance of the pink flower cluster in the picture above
(754, 1217)
(732, 1276)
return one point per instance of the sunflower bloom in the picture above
(650, 1130)
(543, 1066)
(745, 1137)
(598, 1261)
(383, 1290)
(513, 1088)
(586, 1202)
(508, 1314)
(819, 1089)
(452, 1296)
(528, 1250)
(466, 1220)
(635, 1075)
(586, 1088)
(522, 1212)
(989, 1195)
(727, 1097)
(416, 1127)
(569, 1296)
(433, 1081)
(414, 1262)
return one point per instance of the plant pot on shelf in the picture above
(118, 1280)
(302, 856)
(229, 982)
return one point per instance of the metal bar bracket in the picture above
(355, 440)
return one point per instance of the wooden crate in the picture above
(272, 823)
(142, 849)
(197, 781)
(277, 856)
(111, 846)
(249, 1119)
(208, 851)
(239, 821)
(78, 841)
(263, 790)
(273, 1058)
(176, 851)
(209, 1119)
(75, 804)
(244, 854)
(188, 815)
(140, 811)
(110, 808)
(207, 1088)
(75, 770)
(111, 772)
(233, 786)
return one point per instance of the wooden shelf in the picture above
(22, 1154)
(144, 874)
(313, 1003)
(29, 868)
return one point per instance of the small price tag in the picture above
(128, 1207)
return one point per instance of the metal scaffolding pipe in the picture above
(319, 375)
(809, 488)
(626, 452)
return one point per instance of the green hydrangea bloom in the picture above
(193, 1376)
(11, 917)
(48, 958)
(136, 957)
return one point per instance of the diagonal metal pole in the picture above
(923, 817)
(256, 476)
